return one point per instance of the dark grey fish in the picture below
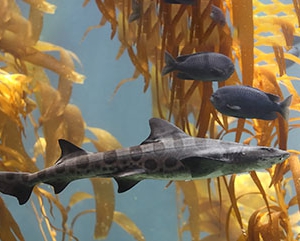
(248, 102)
(168, 153)
(294, 51)
(187, 2)
(217, 15)
(136, 6)
(204, 66)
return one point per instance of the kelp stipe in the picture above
(217, 207)
(24, 87)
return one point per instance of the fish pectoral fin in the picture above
(217, 71)
(182, 75)
(233, 107)
(124, 184)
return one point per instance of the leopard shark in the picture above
(168, 154)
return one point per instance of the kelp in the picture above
(25, 87)
(257, 36)
(254, 206)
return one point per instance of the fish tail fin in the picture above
(284, 107)
(170, 64)
(15, 184)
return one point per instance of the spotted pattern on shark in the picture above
(168, 153)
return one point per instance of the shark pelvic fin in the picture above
(162, 129)
(124, 184)
(58, 185)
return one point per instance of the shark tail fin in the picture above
(14, 184)
(170, 64)
(284, 107)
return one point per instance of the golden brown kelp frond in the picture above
(267, 131)
(14, 105)
(276, 30)
(22, 52)
(59, 119)
(14, 100)
(19, 37)
(128, 225)
(213, 216)
(242, 20)
(105, 204)
(140, 35)
(9, 229)
(104, 211)
(42, 5)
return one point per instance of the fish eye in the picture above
(214, 96)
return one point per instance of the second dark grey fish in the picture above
(248, 102)
(217, 15)
(136, 6)
(294, 51)
(204, 66)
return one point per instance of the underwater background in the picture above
(57, 102)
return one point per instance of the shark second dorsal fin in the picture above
(68, 148)
(161, 129)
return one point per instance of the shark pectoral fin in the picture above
(124, 184)
(233, 107)
(202, 167)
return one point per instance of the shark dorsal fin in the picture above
(161, 129)
(68, 148)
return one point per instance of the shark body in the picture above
(168, 153)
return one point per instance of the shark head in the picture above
(252, 158)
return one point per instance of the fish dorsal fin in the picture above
(274, 98)
(184, 57)
(68, 148)
(161, 129)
